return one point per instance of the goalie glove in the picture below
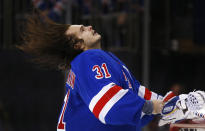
(200, 113)
(175, 109)
(196, 103)
(183, 107)
(196, 100)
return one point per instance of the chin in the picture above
(99, 37)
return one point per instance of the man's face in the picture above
(91, 37)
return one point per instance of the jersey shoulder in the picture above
(91, 55)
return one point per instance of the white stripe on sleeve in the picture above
(154, 96)
(141, 91)
(97, 97)
(110, 104)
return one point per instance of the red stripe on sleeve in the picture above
(148, 94)
(104, 99)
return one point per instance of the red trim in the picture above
(69, 76)
(148, 94)
(124, 75)
(61, 124)
(168, 97)
(73, 82)
(104, 99)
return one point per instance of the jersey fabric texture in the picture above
(103, 95)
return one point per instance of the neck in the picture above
(97, 46)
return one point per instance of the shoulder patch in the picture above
(71, 79)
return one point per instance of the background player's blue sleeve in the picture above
(100, 89)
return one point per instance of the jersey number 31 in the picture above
(99, 72)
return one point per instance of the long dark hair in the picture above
(47, 42)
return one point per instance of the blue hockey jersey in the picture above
(102, 95)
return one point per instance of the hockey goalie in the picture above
(184, 106)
